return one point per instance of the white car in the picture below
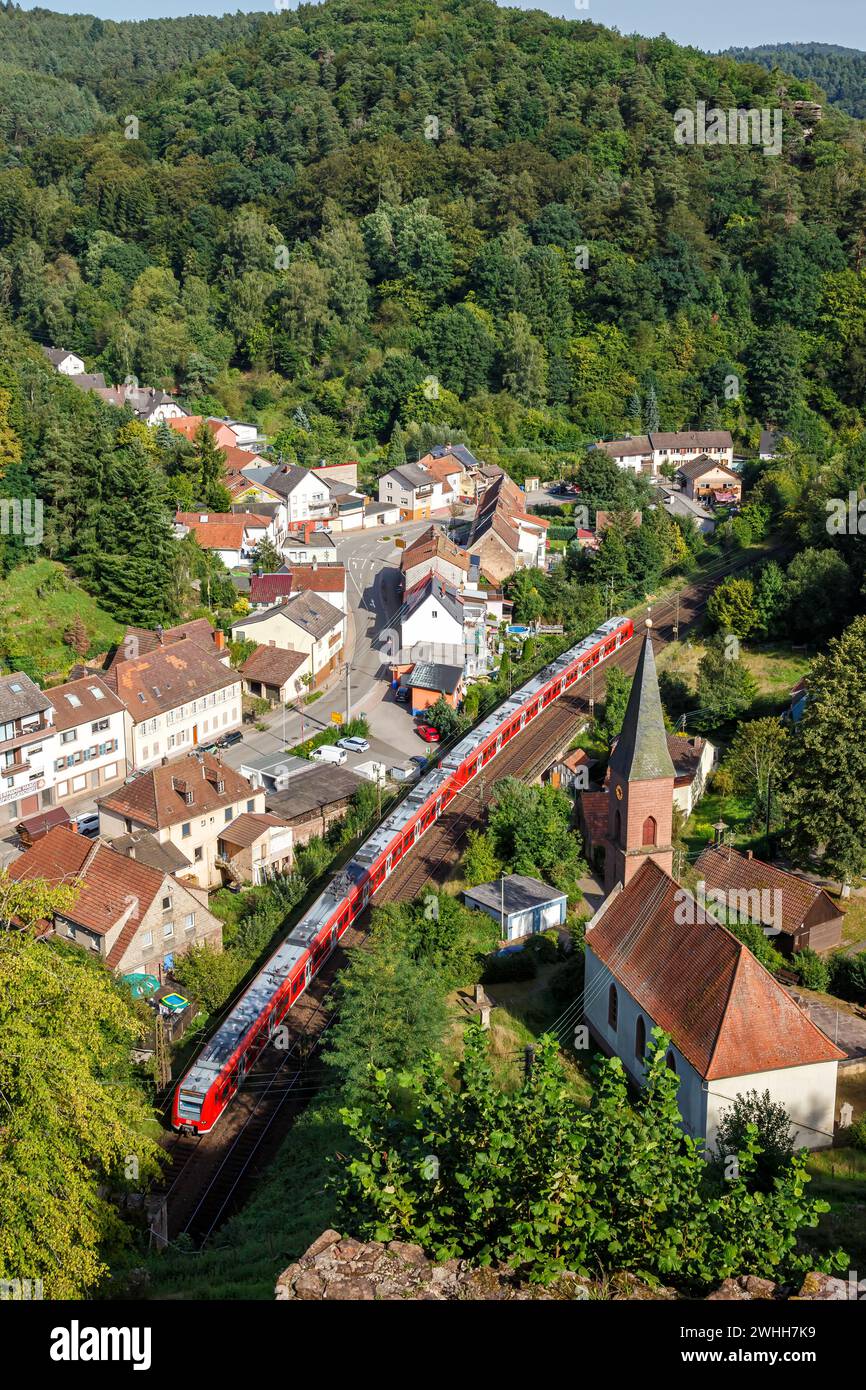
(329, 753)
(353, 744)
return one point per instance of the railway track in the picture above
(207, 1175)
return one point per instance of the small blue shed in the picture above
(524, 906)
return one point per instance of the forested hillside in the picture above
(839, 72)
(363, 225)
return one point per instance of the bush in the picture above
(848, 976)
(722, 782)
(515, 965)
(812, 971)
(566, 982)
(544, 947)
(856, 1134)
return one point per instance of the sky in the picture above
(708, 24)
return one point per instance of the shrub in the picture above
(544, 947)
(812, 971)
(566, 982)
(848, 976)
(515, 965)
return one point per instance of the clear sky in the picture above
(709, 24)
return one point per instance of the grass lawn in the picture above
(839, 1177)
(854, 925)
(40, 603)
(774, 669)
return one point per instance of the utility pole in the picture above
(769, 801)
(528, 1061)
(677, 618)
(592, 692)
(163, 1065)
(348, 693)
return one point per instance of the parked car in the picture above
(353, 744)
(229, 740)
(428, 733)
(421, 761)
(87, 823)
(328, 753)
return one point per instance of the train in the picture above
(217, 1073)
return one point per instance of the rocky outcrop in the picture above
(339, 1267)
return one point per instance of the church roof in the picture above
(641, 752)
(727, 1014)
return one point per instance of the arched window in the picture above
(650, 830)
(672, 1063)
(640, 1038)
(617, 827)
(612, 1007)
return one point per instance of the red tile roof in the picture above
(157, 798)
(727, 1014)
(251, 826)
(111, 884)
(317, 579)
(76, 702)
(272, 665)
(167, 678)
(722, 867)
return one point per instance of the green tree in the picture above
(266, 557)
(757, 756)
(732, 607)
(617, 688)
(756, 1116)
(725, 686)
(480, 861)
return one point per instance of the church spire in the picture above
(641, 752)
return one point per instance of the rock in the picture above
(822, 1287)
(325, 1239)
(412, 1254)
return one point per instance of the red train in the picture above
(219, 1070)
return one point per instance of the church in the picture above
(656, 958)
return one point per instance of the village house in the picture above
(313, 799)
(132, 917)
(572, 771)
(415, 491)
(254, 848)
(67, 363)
(800, 914)
(693, 760)
(305, 623)
(307, 497)
(187, 802)
(647, 453)
(89, 745)
(429, 626)
(428, 681)
(678, 503)
(276, 674)
(26, 744)
(230, 535)
(316, 547)
(434, 553)
(189, 426)
(148, 404)
(474, 478)
(655, 959)
(704, 478)
(327, 580)
(504, 536)
(177, 694)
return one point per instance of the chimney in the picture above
(749, 854)
(164, 760)
(219, 638)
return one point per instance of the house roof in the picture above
(145, 848)
(723, 867)
(245, 830)
(641, 751)
(319, 579)
(272, 665)
(222, 530)
(93, 381)
(158, 797)
(411, 476)
(696, 468)
(636, 447)
(429, 675)
(57, 355)
(431, 586)
(517, 892)
(433, 544)
(307, 611)
(113, 887)
(686, 754)
(770, 441)
(310, 792)
(693, 439)
(170, 676)
(20, 696)
(727, 1014)
(287, 477)
(460, 452)
(143, 640)
(78, 701)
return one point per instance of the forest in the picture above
(839, 72)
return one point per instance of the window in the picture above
(147, 939)
(98, 726)
(672, 1063)
(612, 1007)
(166, 904)
(650, 829)
(198, 854)
(189, 921)
(640, 1038)
(229, 813)
(69, 736)
(186, 830)
(251, 805)
(168, 928)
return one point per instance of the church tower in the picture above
(641, 783)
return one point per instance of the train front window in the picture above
(189, 1105)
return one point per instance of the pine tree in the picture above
(211, 468)
(135, 572)
(651, 410)
(396, 449)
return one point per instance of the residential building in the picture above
(705, 478)
(521, 905)
(679, 504)
(315, 547)
(411, 488)
(232, 536)
(428, 682)
(471, 476)
(187, 802)
(134, 918)
(647, 453)
(327, 580)
(313, 799)
(770, 444)
(572, 771)
(693, 760)
(429, 626)
(799, 915)
(89, 745)
(655, 959)
(67, 363)
(176, 696)
(304, 623)
(26, 744)
(503, 535)
(189, 425)
(307, 497)
(433, 553)
(148, 404)
(254, 848)
(381, 514)
(276, 674)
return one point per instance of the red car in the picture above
(428, 733)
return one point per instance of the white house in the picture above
(89, 743)
(306, 495)
(645, 453)
(26, 743)
(233, 536)
(64, 362)
(306, 623)
(429, 626)
(656, 958)
(318, 547)
(411, 488)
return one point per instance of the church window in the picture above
(650, 830)
(612, 1008)
(640, 1038)
(672, 1063)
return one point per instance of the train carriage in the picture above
(218, 1071)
